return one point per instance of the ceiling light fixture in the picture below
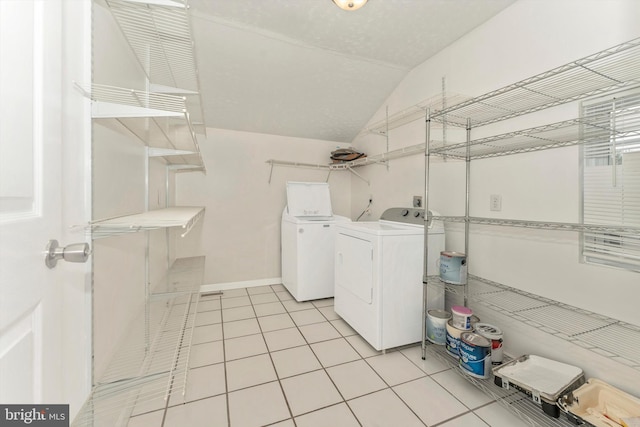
(350, 4)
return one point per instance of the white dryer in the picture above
(378, 276)
(308, 236)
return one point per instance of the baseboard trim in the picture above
(236, 285)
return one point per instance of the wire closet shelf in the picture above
(159, 33)
(556, 135)
(609, 70)
(160, 121)
(150, 368)
(511, 399)
(182, 217)
(603, 335)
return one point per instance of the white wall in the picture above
(240, 232)
(528, 38)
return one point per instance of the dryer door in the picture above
(354, 266)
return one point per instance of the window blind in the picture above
(611, 180)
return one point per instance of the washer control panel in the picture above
(405, 215)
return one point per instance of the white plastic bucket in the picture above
(437, 326)
(461, 317)
(453, 267)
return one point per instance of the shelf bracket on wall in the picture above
(270, 172)
(387, 133)
(273, 163)
(358, 175)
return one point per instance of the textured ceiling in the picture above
(308, 69)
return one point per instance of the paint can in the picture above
(475, 355)
(494, 334)
(437, 326)
(453, 267)
(461, 317)
(453, 339)
(474, 321)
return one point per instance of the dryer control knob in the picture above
(404, 212)
(416, 214)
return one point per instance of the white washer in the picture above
(308, 236)
(378, 276)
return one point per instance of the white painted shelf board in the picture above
(177, 216)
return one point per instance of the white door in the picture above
(354, 266)
(44, 186)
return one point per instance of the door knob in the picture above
(77, 252)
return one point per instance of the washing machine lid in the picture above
(309, 199)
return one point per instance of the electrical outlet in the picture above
(417, 201)
(495, 202)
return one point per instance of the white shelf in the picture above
(180, 160)
(185, 276)
(369, 160)
(177, 216)
(150, 368)
(320, 166)
(380, 158)
(413, 113)
(159, 33)
(160, 121)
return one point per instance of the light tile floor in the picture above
(259, 358)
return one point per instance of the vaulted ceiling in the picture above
(306, 68)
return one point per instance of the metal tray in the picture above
(543, 380)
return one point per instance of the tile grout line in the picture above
(273, 364)
(224, 361)
(322, 367)
(391, 387)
